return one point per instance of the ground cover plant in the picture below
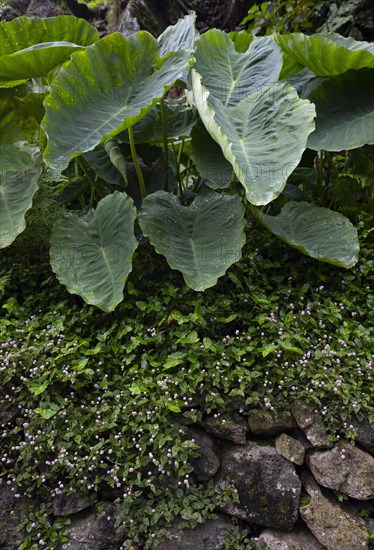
(100, 398)
(88, 124)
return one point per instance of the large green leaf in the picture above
(201, 240)
(92, 255)
(317, 232)
(18, 184)
(215, 170)
(324, 55)
(180, 36)
(99, 160)
(16, 123)
(31, 48)
(230, 75)
(180, 118)
(263, 136)
(104, 90)
(345, 111)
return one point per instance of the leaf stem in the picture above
(81, 163)
(165, 143)
(320, 175)
(143, 190)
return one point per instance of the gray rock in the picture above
(267, 485)
(298, 539)
(208, 463)
(47, 8)
(290, 448)
(141, 14)
(94, 530)
(346, 469)
(231, 427)
(208, 536)
(11, 510)
(334, 528)
(312, 425)
(365, 434)
(66, 504)
(269, 424)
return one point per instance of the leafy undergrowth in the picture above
(100, 396)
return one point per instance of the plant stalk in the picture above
(165, 145)
(143, 190)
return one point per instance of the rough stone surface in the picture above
(270, 423)
(346, 469)
(267, 485)
(234, 427)
(334, 528)
(312, 425)
(290, 448)
(11, 509)
(47, 8)
(365, 434)
(66, 504)
(94, 530)
(299, 539)
(208, 536)
(208, 463)
(141, 14)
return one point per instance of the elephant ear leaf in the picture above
(92, 255)
(209, 160)
(18, 185)
(104, 90)
(180, 36)
(323, 54)
(345, 111)
(230, 75)
(263, 136)
(32, 47)
(317, 232)
(201, 240)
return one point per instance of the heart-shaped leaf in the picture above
(324, 55)
(209, 159)
(263, 136)
(345, 111)
(104, 90)
(201, 240)
(92, 255)
(33, 47)
(230, 75)
(18, 184)
(317, 232)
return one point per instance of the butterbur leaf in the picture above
(32, 47)
(180, 36)
(104, 90)
(18, 184)
(92, 255)
(263, 136)
(209, 160)
(230, 75)
(201, 240)
(317, 232)
(345, 111)
(324, 55)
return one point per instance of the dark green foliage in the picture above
(100, 392)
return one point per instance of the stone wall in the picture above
(288, 476)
